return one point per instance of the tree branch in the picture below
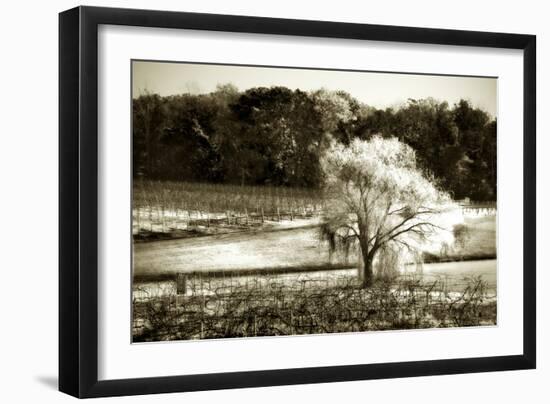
(410, 228)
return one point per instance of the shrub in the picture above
(269, 307)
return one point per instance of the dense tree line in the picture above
(277, 136)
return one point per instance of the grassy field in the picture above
(476, 240)
(293, 247)
(481, 240)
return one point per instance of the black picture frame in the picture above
(78, 201)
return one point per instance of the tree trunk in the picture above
(365, 268)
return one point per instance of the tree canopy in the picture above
(379, 199)
(276, 136)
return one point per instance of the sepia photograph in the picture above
(281, 201)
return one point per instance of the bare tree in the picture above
(380, 201)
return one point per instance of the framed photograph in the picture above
(251, 201)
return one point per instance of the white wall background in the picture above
(28, 200)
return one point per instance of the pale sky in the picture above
(379, 90)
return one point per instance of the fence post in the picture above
(181, 283)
